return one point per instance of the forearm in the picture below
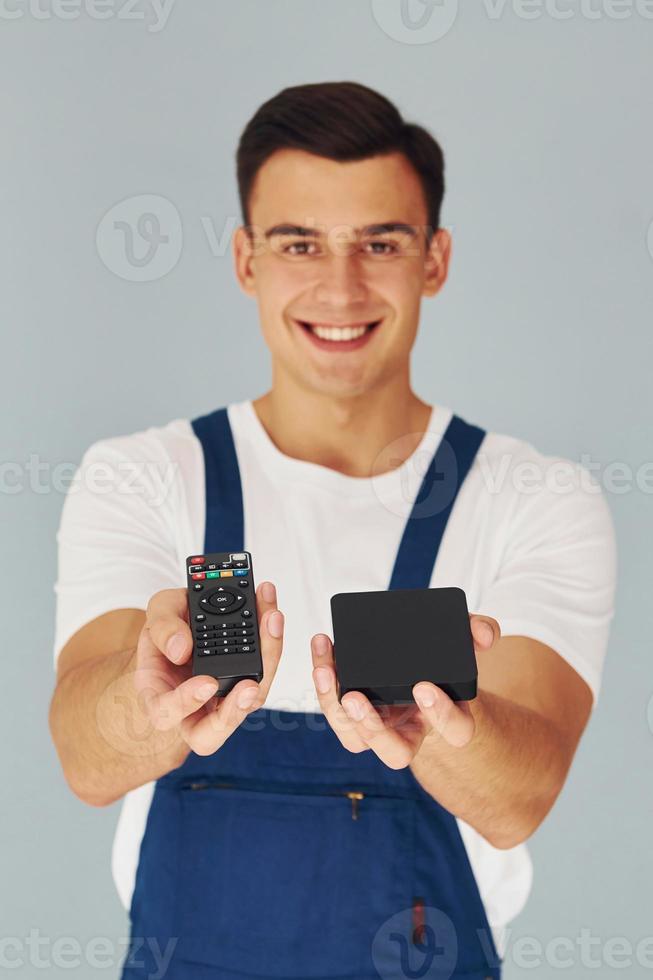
(105, 742)
(506, 779)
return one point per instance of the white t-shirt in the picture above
(530, 540)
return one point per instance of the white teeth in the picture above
(337, 333)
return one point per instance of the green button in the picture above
(213, 574)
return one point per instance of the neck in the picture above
(360, 436)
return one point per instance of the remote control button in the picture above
(200, 617)
(226, 573)
(211, 568)
(197, 561)
(240, 570)
(239, 556)
(207, 653)
(197, 587)
(221, 600)
(215, 597)
(243, 583)
(213, 574)
(228, 650)
(246, 649)
(197, 568)
(225, 564)
(199, 575)
(241, 564)
(246, 613)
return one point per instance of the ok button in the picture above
(219, 600)
(222, 599)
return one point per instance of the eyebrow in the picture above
(297, 231)
(387, 227)
(383, 228)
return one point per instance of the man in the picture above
(237, 851)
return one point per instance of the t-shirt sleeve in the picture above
(116, 539)
(557, 577)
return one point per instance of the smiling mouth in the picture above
(338, 334)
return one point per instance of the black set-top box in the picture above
(385, 642)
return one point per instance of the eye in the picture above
(380, 248)
(300, 247)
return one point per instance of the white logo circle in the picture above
(649, 714)
(415, 21)
(398, 952)
(140, 238)
(416, 487)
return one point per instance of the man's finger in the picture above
(166, 618)
(390, 747)
(271, 630)
(208, 729)
(324, 677)
(485, 632)
(168, 709)
(266, 598)
(167, 693)
(453, 720)
(271, 627)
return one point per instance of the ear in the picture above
(244, 247)
(436, 267)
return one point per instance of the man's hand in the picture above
(497, 762)
(169, 694)
(396, 732)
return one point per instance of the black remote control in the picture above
(222, 618)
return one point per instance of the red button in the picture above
(199, 575)
(197, 561)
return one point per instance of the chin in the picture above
(333, 385)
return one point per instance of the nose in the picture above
(341, 284)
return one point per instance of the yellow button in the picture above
(225, 574)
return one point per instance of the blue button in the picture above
(240, 571)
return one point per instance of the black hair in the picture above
(342, 121)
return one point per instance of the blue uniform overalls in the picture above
(285, 856)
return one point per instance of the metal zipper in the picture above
(354, 795)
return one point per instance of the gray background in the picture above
(543, 332)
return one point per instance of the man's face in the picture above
(338, 262)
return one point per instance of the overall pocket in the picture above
(290, 881)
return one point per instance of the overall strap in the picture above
(432, 508)
(225, 524)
